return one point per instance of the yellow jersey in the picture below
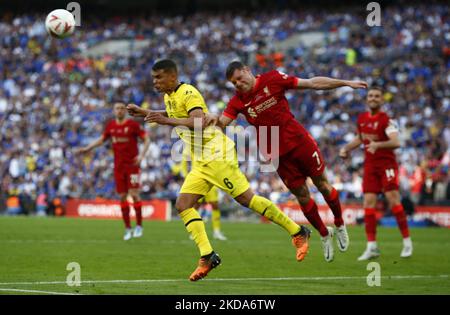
(205, 145)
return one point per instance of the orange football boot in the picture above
(300, 241)
(205, 265)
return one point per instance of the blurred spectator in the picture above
(41, 204)
(13, 205)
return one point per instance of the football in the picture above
(60, 23)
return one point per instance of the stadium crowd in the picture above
(54, 98)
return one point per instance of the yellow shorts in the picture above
(211, 196)
(226, 175)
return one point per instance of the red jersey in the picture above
(266, 105)
(377, 128)
(124, 141)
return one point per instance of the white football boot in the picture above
(218, 235)
(342, 238)
(138, 231)
(127, 235)
(327, 245)
(407, 248)
(371, 252)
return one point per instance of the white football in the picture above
(60, 23)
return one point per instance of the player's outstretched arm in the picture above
(325, 83)
(196, 119)
(136, 111)
(215, 120)
(96, 143)
(355, 143)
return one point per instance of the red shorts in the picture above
(303, 161)
(379, 178)
(126, 178)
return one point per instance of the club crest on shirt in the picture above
(252, 113)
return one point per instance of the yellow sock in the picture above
(195, 226)
(269, 210)
(215, 216)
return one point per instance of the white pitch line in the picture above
(37, 291)
(395, 277)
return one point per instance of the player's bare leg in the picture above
(331, 196)
(370, 221)
(137, 204)
(396, 206)
(125, 208)
(194, 225)
(300, 234)
(310, 210)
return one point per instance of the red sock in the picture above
(138, 210)
(312, 214)
(335, 206)
(125, 213)
(370, 219)
(402, 222)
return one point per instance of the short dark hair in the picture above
(166, 65)
(377, 88)
(235, 65)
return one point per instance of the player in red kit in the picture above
(263, 102)
(379, 134)
(124, 134)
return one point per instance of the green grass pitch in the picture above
(258, 259)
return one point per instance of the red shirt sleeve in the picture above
(384, 122)
(107, 132)
(284, 80)
(358, 124)
(141, 131)
(232, 109)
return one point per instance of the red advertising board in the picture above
(439, 215)
(151, 209)
(351, 212)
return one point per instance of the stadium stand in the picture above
(56, 95)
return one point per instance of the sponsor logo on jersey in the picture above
(266, 104)
(119, 139)
(372, 125)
